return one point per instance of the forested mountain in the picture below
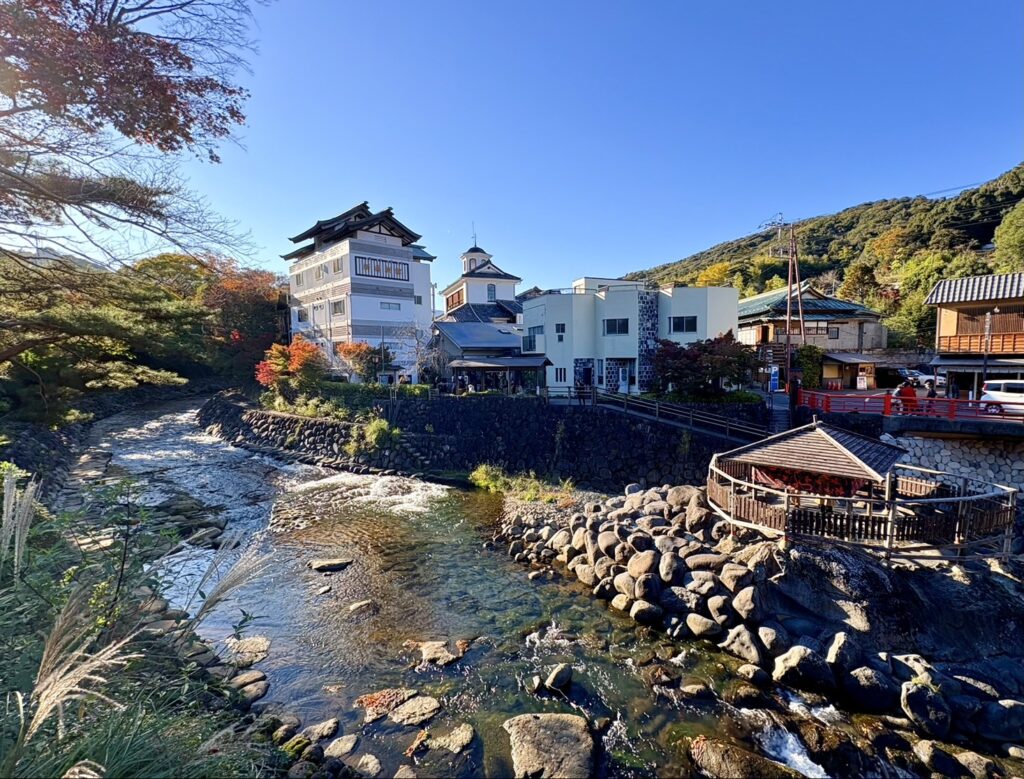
(886, 254)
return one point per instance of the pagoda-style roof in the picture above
(816, 305)
(821, 448)
(359, 217)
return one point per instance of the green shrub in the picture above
(372, 437)
(524, 486)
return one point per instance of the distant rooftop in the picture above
(978, 289)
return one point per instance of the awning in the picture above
(502, 363)
(1008, 363)
(851, 358)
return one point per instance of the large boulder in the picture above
(702, 627)
(938, 759)
(643, 562)
(722, 760)
(926, 708)
(1002, 721)
(671, 569)
(804, 669)
(843, 653)
(645, 612)
(734, 577)
(648, 587)
(678, 498)
(550, 745)
(679, 600)
(606, 542)
(625, 584)
(744, 645)
(747, 603)
(871, 690)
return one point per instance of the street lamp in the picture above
(988, 342)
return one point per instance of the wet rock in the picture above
(455, 741)
(295, 746)
(622, 602)
(415, 711)
(379, 703)
(926, 709)
(341, 746)
(284, 732)
(836, 752)
(368, 765)
(1002, 721)
(253, 692)
(605, 589)
(321, 730)
(362, 606)
(702, 627)
(314, 753)
(745, 696)
(550, 745)
(978, 766)
(331, 564)
(559, 678)
(648, 587)
(645, 612)
(246, 678)
(436, 652)
(722, 760)
(659, 675)
(303, 769)
(643, 562)
(697, 691)
(804, 669)
(937, 759)
(742, 643)
(246, 651)
(871, 690)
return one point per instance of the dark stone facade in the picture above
(597, 448)
(579, 370)
(647, 338)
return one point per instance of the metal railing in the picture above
(679, 414)
(898, 405)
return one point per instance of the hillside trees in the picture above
(1009, 240)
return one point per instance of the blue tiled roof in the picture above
(481, 335)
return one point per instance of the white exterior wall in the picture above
(476, 290)
(595, 300)
(363, 315)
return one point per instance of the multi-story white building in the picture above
(361, 276)
(604, 332)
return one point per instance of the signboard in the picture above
(862, 382)
(773, 378)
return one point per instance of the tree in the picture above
(808, 359)
(289, 370)
(716, 275)
(366, 361)
(1009, 239)
(699, 369)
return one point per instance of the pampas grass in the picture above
(18, 510)
(248, 566)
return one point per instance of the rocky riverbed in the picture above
(924, 664)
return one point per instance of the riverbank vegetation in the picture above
(86, 682)
(523, 486)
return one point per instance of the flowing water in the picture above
(420, 556)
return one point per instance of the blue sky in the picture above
(603, 137)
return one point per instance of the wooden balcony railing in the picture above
(999, 343)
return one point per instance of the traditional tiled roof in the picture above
(420, 253)
(483, 312)
(489, 270)
(978, 289)
(481, 335)
(821, 448)
(357, 218)
(772, 305)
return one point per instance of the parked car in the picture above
(909, 374)
(1002, 397)
(938, 379)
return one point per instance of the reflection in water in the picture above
(420, 556)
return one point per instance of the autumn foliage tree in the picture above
(366, 361)
(699, 369)
(291, 370)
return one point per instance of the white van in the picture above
(1002, 397)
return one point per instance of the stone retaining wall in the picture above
(597, 448)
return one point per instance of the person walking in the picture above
(908, 397)
(953, 389)
(931, 394)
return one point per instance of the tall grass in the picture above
(523, 486)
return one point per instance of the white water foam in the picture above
(396, 494)
(828, 715)
(783, 746)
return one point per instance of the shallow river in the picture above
(420, 556)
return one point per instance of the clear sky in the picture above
(603, 137)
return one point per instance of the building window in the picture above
(559, 375)
(600, 371)
(682, 324)
(337, 307)
(301, 314)
(616, 327)
(833, 333)
(382, 269)
(454, 300)
(560, 327)
(492, 293)
(321, 271)
(390, 306)
(536, 330)
(417, 300)
(337, 265)
(297, 280)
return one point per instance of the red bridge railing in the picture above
(896, 405)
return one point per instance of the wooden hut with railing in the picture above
(821, 481)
